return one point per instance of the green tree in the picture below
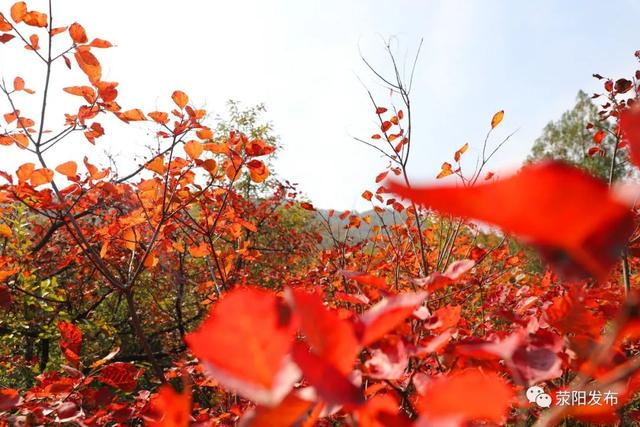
(570, 139)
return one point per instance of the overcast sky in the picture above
(301, 58)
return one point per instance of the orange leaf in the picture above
(18, 83)
(89, 64)
(367, 195)
(205, 133)
(130, 239)
(257, 171)
(58, 30)
(77, 33)
(41, 176)
(107, 90)
(99, 43)
(202, 250)
(565, 211)
(193, 149)
(133, 115)
(87, 92)
(210, 166)
(180, 98)
(455, 399)
(24, 172)
(68, 169)
(245, 344)
(159, 117)
(497, 118)
(156, 165)
(35, 19)
(18, 10)
(34, 41)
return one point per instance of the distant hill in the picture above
(337, 225)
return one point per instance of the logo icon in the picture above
(535, 394)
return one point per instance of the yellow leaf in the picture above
(460, 152)
(5, 231)
(130, 239)
(445, 171)
(497, 118)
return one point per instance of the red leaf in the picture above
(170, 409)
(608, 85)
(386, 125)
(120, 375)
(365, 278)
(466, 396)
(291, 411)
(599, 136)
(5, 38)
(437, 280)
(444, 318)
(5, 297)
(70, 342)
(388, 362)
(245, 345)
(564, 210)
(9, 399)
(330, 337)
(330, 384)
(381, 110)
(381, 411)
(630, 132)
(387, 314)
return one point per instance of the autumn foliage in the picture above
(181, 291)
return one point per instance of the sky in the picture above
(302, 60)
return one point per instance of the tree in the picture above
(582, 138)
(105, 279)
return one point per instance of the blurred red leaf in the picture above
(560, 208)
(470, 395)
(387, 315)
(329, 337)
(9, 399)
(170, 409)
(331, 385)
(245, 344)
